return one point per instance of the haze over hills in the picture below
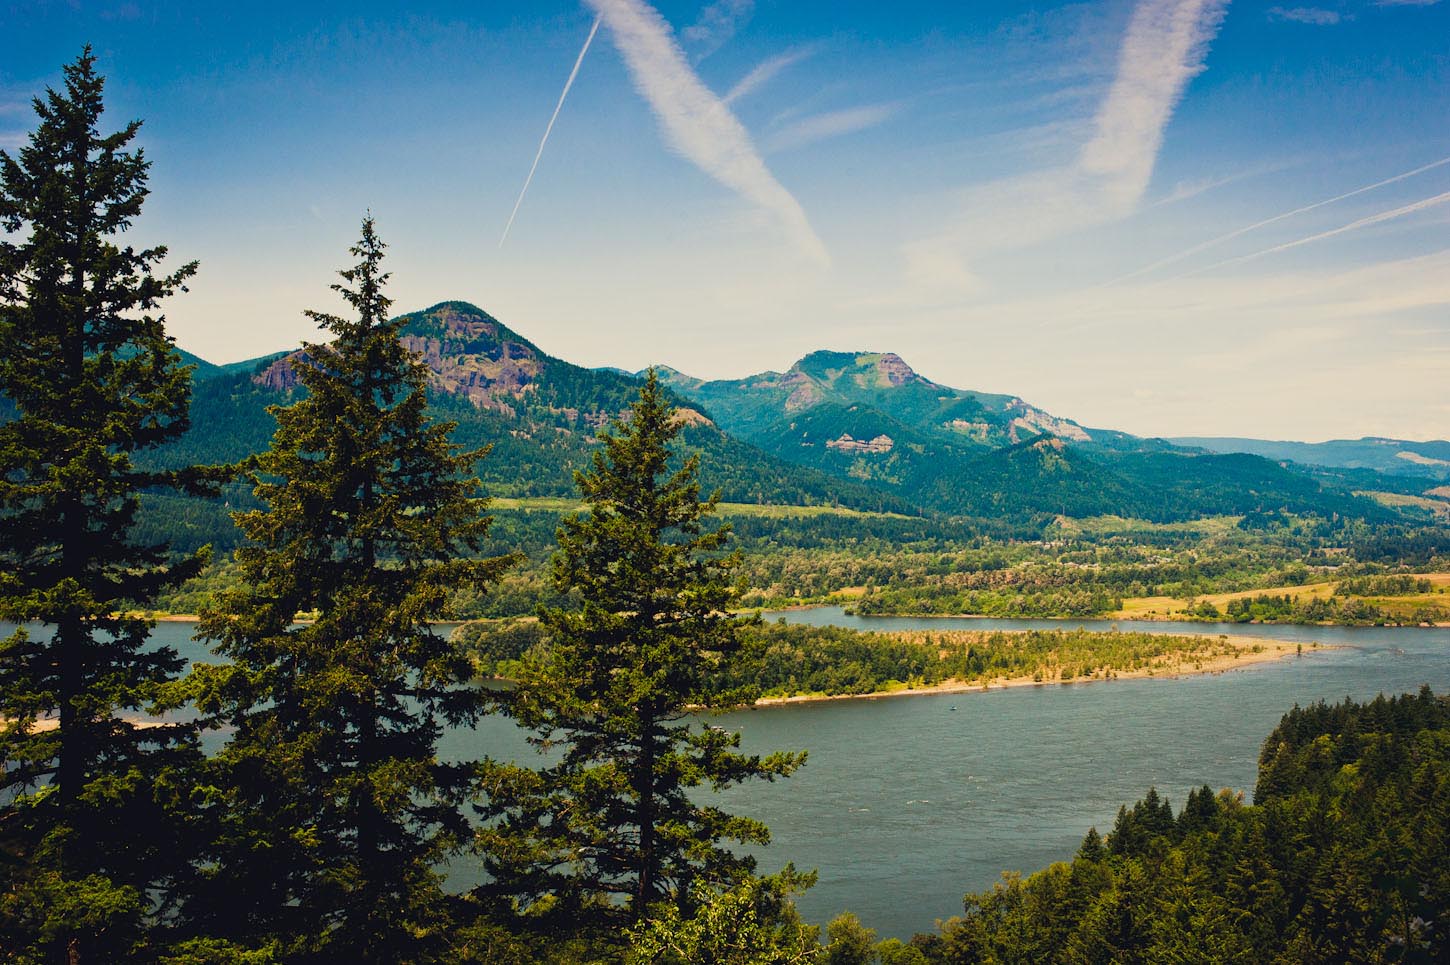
(861, 430)
(1393, 456)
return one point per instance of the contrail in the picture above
(545, 139)
(1213, 242)
(695, 122)
(1373, 219)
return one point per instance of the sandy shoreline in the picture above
(45, 724)
(1243, 656)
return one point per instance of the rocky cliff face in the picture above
(472, 355)
(878, 445)
(280, 376)
(468, 354)
(890, 369)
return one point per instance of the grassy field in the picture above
(1439, 507)
(1068, 527)
(563, 504)
(1167, 607)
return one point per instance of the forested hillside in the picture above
(861, 431)
(870, 416)
(1344, 856)
(537, 414)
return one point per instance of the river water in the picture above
(908, 802)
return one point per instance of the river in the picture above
(908, 802)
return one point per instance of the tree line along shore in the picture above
(799, 662)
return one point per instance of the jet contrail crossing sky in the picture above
(1373, 219)
(545, 139)
(1212, 242)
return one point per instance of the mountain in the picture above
(538, 413)
(870, 416)
(871, 385)
(200, 368)
(1392, 456)
(861, 430)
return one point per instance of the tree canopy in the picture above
(85, 789)
(610, 825)
(337, 809)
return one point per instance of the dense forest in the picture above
(1344, 856)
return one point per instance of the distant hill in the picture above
(870, 416)
(859, 430)
(539, 413)
(871, 385)
(1393, 456)
(201, 368)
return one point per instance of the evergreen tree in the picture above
(92, 380)
(1092, 847)
(337, 808)
(753, 923)
(848, 941)
(613, 820)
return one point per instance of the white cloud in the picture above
(1164, 48)
(765, 71)
(718, 23)
(695, 122)
(1315, 16)
(819, 127)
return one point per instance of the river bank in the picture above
(1247, 652)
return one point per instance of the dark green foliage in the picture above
(1400, 585)
(848, 942)
(610, 825)
(783, 659)
(496, 647)
(88, 852)
(334, 810)
(753, 922)
(1345, 857)
(1338, 609)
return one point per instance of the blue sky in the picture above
(1112, 209)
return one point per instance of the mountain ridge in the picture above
(863, 429)
(1429, 458)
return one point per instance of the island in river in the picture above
(789, 661)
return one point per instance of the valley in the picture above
(851, 478)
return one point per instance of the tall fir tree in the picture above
(92, 380)
(615, 823)
(337, 809)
